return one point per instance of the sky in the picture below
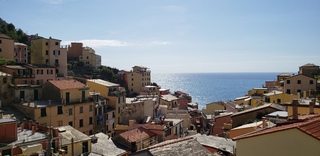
(180, 36)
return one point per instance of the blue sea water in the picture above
(205, 88)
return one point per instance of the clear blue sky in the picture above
(180, 36)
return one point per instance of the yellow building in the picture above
(138, 78)
(303, 107)
(65, 102)
(299, 83)
(115, 94)
(50, 52)
(299, 138)
(6, 47)
(73, 142)
(279, 97)
(214, 106)
(89, 58)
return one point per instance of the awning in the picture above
(29, 149)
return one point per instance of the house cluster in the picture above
(45, 112)
(271, 119)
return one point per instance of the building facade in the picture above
(299, 83)
(50, 52)
(6, 47)
(20, 53)
(138, 78)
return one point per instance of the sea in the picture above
(205, 88)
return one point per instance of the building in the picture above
(252, 114)
(27, 139)
(86, 55)
(6, 47)
(278, 97)
(137, 138)
(295, 137)
(183, 100)
(182, 146)
(250, 127)
(104, 145)
(50, 52)
(5, 96)
(67, 103)
(214, 106)
(180, 114)
(170, 101)
(304, 107)
(299, 83)
(75, 50)
(309, 69)
(137, 78)
(113, 92)
(139, 107)
(20, 53)
(215, 144)
(73, 142)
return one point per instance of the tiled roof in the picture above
(137, 134)
(310, 127)
(67, 84)
(68, 132)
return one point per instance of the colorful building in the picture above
(20, 53)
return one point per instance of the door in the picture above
(35, 94)
(22, 95)
(67, 97)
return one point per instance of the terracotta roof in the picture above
(137, 134)
(67, 84)
(309, 126)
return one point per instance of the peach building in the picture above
(50, 52)
(20, 53)
(86, 55)
(6, 47)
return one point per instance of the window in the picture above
(119, 110)
(298, 91)
(107, 116)
(90, 132)
(47, 52)
(0, 50)
(131, 84)
(4, 80)
(132, 79)
(43, 112)
(90, 108)
(70, 111)
(81, 110)
(59, 110)
(47, 61)
(47, 43)
(87, 57)
(113, 114)
(70, 123)
(90, 121)
(288, 91)
(60, 123)
(107, 128)
(81, 123)
(311, 82)
(288, 81)
(0, 41)
(56, 43)
(278, 101)
(299, 82)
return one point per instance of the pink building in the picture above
(20, 53)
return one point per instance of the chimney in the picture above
(33, 129)
(311, 106)
(264, 122)
(295, 104)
